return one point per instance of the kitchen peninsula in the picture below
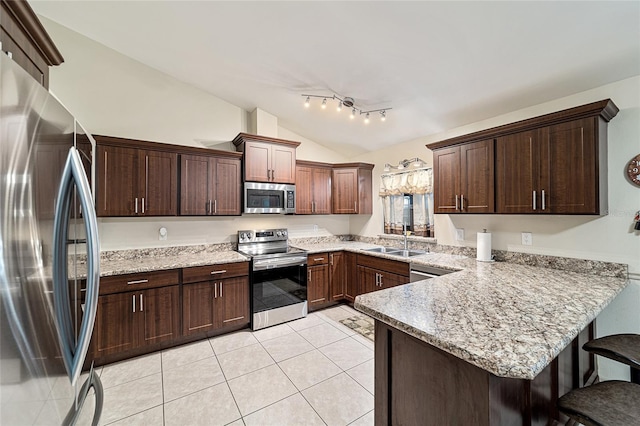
(492, 344)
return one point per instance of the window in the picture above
(408, 200)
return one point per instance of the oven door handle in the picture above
(260, 265)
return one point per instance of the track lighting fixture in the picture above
(349, 103)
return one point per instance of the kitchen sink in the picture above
(396, 251)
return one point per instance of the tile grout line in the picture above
(226, 382)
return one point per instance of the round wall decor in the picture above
(633, 170)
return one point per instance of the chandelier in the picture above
(347, 102)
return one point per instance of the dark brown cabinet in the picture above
(464, 178)
(313, 188)
(337, 276)
(210, 185)
(136, 182)
(267, 159)
(317, 280)
(127, 320)
(351, 188)
(351, 287)
(22, 34)
(552, 170)
(215, 297)
(376, 274)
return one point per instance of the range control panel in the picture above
(262, 236)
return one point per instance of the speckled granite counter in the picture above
(510, 320)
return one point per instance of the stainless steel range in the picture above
(278, 277)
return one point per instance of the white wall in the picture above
(114, 95)
(607, 238)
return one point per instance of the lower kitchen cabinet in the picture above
(376, 273)
(317, 280)
(211, 305)
(351, 287)
(126, 321)
(337, 276)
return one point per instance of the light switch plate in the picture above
(459, 234)
(527, 238)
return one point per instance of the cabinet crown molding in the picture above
(165, 147)
(244, 137)
(605, 109)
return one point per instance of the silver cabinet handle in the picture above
(146, 180)
(208, 206)
(461, 202)
(377, 280)
(137, 282)
(74, 351)
(381, 283)
(456, 201)
(215, 290)
(534, 200)
(133, 303)
(141, 304)
(221, 288)
(543, 202)
(355, 206)
(136, 209)
(218, 272)
(309, 275)
(215, 206)
(318, 259)
(142, 205)
(331, 259)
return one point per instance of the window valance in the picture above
(409, 182)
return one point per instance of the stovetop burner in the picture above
(266, 243)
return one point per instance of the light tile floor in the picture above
(312, 371)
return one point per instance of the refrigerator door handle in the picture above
(74, 353)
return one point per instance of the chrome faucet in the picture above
(404, 232)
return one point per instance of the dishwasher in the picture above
(424, 272)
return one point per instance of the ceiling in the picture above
(439, 65)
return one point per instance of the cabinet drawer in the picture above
(214, 272)
(132, 282)
(393, 266)
(318, 259)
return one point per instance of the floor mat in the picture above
(361, 324)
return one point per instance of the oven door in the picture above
(278, 290)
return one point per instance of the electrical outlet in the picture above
(460, 234)
(162, 233)
(527, 238)
(315, 228)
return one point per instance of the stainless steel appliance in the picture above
(47, 221)
(278, 277)
(269, 198)
(423, 272)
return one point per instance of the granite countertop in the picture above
(511, 320)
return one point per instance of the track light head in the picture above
(324, 103)
(339, 106)
(383, 115)
(366, 119)
(307, 102)
(353, 114)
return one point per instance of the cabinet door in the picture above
(227, 183)
(344, 190)
(283, 164)
(257, 162)
(194, 181)
(318, 285)
(446, 175)
(304, 190)
(476, 179)
(351, 276)
(117, 181)
(321, 183)
(337, 276)
(158, 183)
(569, 168)
(517, 172)
(116, 328)
(232, 302)
(160, 312)
(368, 279)
(197, 307)
(388, 279)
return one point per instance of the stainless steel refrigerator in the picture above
(49, 258)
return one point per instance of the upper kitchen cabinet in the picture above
(210, 185)
(551, 164)
(351, 188)
(22, 35)
(313, 187)
(135, 178)
(464, 178)
(267, 159)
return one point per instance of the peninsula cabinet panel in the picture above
(210, 186)
(464, 178)
(313, 190)
(351, 188)
(553, 170)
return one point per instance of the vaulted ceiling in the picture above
(439, 65)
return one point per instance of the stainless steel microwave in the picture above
(269, 198)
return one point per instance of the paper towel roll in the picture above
(484, 246)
